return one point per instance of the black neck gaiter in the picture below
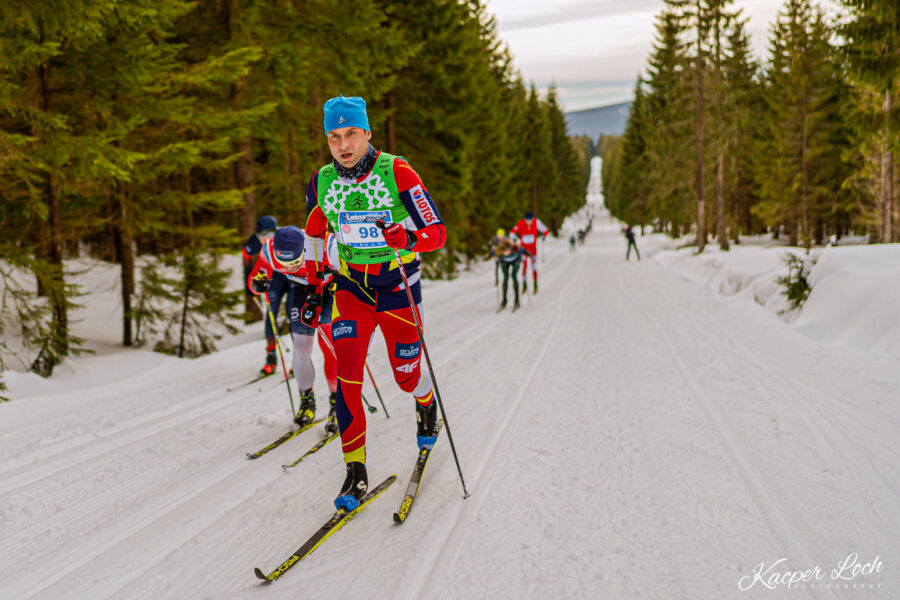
(362, 168)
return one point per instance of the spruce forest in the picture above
(153, 135)
(799, 143)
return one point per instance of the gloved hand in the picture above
(312, 308)
(259, 285)
(396, 236)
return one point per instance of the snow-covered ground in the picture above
(645, 429)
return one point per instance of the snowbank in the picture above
(855, 298)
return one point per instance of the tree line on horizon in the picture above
(131, 129)
(718, 144)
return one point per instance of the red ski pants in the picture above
(352, 328)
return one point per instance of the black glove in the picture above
(309, 312)
(260, 285)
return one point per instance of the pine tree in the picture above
(871, 41)
(800, 156)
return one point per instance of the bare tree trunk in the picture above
(722, 231)
(124, 241)
(701, 208)
(887, 176)
(390, 125)
(804, 187)
(318, 155)
(57, 298)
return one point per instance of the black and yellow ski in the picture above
(415, 480)
(287, 436)
(319, 445)
(337, 520)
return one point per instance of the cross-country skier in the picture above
(629, 235)
(265, 229)
(510, 256)
(360, 187)
(281, 260)
(528, 230)
(572, 243)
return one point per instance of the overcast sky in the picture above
(594, 49)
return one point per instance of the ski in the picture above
(287, 436)
(415, 480)
(248, 383)
(337, 520)
(319, 445)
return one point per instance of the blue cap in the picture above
(266, 223)
(346, 112)
(288, 244)
(529, 215)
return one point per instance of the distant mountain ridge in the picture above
(608, 120)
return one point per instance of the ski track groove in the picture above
(472, 335)
(765, 382)
(137, 431)
(428, 562)
(754, 482)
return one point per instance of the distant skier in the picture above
(572, 243)
(492, 252)
(358, 188)
(281, 263)
(581, 235)
(528, 230)
(510, 256)
(629, 234)
(265, 229)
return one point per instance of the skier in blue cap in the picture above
(358, 189)
(281, 265)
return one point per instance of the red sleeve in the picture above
(431, 236)
(262, 266)
(515, 229)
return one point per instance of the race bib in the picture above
(357, 229)
(528, 238)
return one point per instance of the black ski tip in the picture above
(252, 456)
(398, 518)
(261, 575)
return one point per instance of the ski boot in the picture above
(535, 287)
(524, 287)
(354, 489)
(307, 411)
(515, 306)
(427, 430)
(331, 424)
(269, 367)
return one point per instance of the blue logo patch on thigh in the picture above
(343, 329)
(406, 351)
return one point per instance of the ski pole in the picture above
(437, 393)
(375, 385)
(371, 408)
(287, 381)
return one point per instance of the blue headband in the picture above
(346, 112)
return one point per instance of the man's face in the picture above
(348, 145)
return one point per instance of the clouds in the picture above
(531, 14)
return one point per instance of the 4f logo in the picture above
(409, 367)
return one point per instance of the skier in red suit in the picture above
(528, 230)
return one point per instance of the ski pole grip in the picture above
(380, 224)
